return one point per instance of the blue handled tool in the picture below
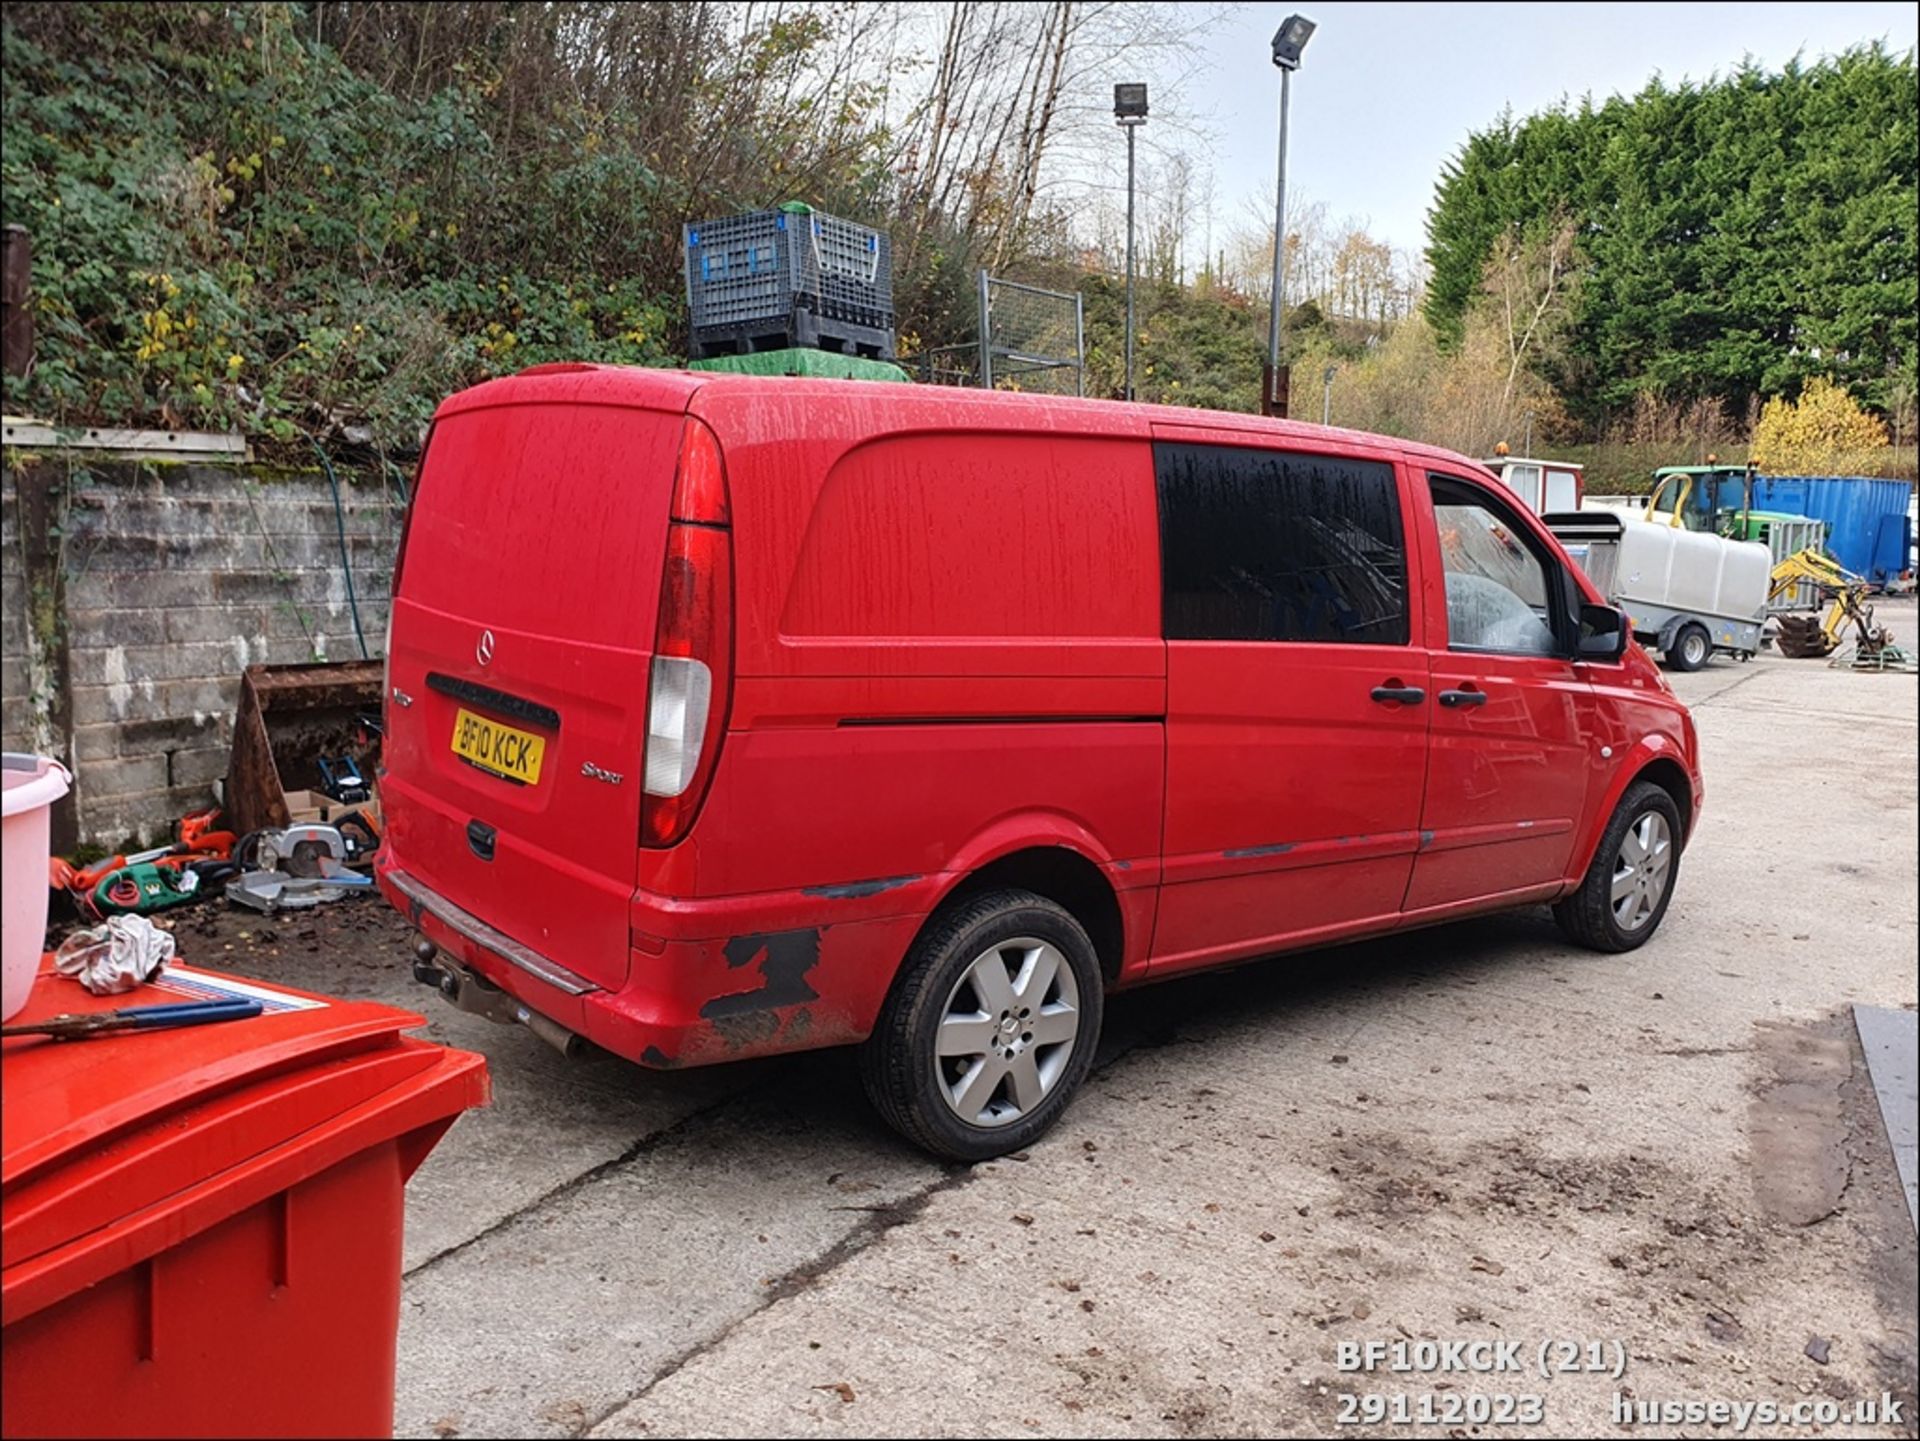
(78, 1025)
(342, 780)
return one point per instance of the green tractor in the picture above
(1718, 500)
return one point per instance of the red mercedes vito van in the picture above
(730, 715)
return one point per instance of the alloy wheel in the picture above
(1642, 871)
(1006, 1032)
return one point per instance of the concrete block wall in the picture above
(20, 723)
(175, 578)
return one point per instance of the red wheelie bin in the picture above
(201, 1227)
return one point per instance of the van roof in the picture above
(658, 389)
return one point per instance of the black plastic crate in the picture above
(802, 329)
(768, 268)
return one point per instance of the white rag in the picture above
(126, 952)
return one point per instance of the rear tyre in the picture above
(990, 1027)
(1691, 648)
(1624, 896)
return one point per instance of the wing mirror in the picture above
(1603, 633)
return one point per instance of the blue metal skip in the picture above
(1866, 519)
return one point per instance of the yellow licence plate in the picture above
(500, 749)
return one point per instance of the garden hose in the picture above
(346, 564)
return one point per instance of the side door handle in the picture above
(1407, 694)
(1455, 699)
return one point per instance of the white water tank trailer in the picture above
(1686, 594)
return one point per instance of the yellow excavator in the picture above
(1814, 636)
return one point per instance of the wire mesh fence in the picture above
(951, 364)
(1030, 339)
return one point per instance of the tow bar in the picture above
(478, 996)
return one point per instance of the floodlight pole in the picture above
(1271, 402)
(1130, 129)
(1288, 42)
(1130, 113)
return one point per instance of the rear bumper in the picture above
(418, 903)
(750, 989)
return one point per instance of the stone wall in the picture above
(133, 594)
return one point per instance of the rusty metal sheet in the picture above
(287, 717)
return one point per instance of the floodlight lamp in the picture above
(1290, 39)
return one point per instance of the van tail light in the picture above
(393, 588)
(692, 674)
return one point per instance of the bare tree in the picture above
(1170, 218)
(1529, 283)
(1012, 130)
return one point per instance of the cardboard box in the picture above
(311, 806)
(317, 806)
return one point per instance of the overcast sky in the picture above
(1388, 91)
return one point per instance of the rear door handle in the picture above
(1458, 698)
(1409, 694)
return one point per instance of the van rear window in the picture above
(1271, 545)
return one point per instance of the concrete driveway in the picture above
(1473, 1133)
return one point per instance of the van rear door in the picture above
(522, 625)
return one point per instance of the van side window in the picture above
(1271, 545)
(1497, 583)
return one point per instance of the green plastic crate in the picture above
(824, 364)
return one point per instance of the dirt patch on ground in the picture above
(1386, 1175)
(356, 947)
(1704, 1280)
(1799, 1136)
